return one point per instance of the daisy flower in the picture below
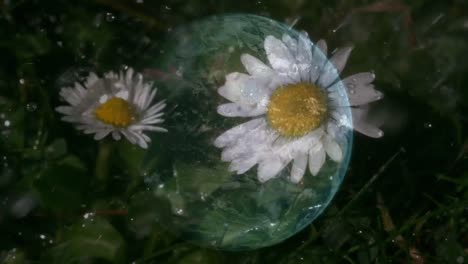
(297, 107)
(117, 105)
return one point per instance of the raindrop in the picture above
(7, 123)
(180, 71)
(21, 81)
(110, 17)
(352, 91)
(42, 236)
(88, 215)
(31, 107)
(427, 125)
(460, 259)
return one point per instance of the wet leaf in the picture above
(89, 240)
(62, 186)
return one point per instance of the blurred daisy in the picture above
(297, 106)
(117, 105)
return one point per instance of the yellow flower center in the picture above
(116, 111)
(296, 109)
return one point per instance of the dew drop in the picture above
(110, 17)
(31, 107)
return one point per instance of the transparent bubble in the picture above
(198, 196)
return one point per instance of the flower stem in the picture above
(102, 160)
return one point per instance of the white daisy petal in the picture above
(155, 109)
(362, 126)
(254, 66)
(242, 165)
(328, 75)
(316, 158)
(280, 58)
(150, 98)
(304, 56)
(360, 90)
(91, 80)
(233, 133)
(231, 90)
(148, 128)
(290, 43)
(116, 135)
(66, 110)
(129, 77)
(340, 58)
(322, 45)
(140, 140)
(102, 134)
(299, 167)
(270, 168)
(233, 110)
(332, 148)
(319, 59)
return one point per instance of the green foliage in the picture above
(410, 210)
(62, 185)
(88, 240)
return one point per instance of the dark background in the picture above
(405, 196)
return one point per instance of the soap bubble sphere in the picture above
(197, 196)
